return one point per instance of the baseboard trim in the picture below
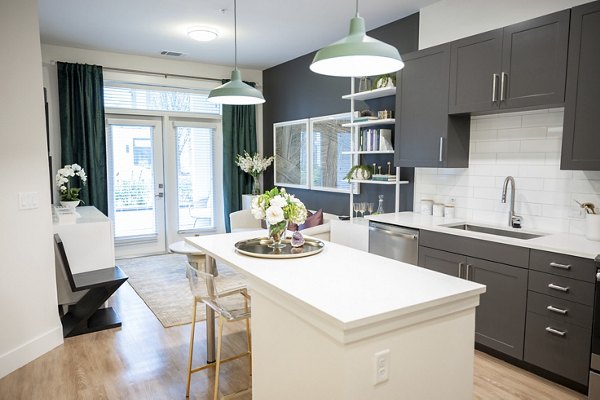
(29, 351)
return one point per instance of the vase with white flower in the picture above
(69, 193)
(253, 165)
(278, 208)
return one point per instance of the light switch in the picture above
(28, 200)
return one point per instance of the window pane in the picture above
(329, 165)
(159, 99)
(131, 178)
(195, 186)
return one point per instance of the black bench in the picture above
(86, 316)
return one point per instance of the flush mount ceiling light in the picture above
(202, 33)
(235, 91)
(357, 54)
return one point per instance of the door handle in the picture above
(441, 148)
(502, 85)
(557, 310)
(469, 271)
(460, 265)
(555, 331)
(494, 88)
(559, 288)
(561, 266)
(161, 195)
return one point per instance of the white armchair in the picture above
(244, 221)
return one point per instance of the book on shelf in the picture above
(363, 119)
(373, 139)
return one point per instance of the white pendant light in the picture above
(235, 91)
(357, 54)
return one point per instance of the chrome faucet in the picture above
(513, 220)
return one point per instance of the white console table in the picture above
(89, 246)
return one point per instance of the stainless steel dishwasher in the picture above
(395, 242)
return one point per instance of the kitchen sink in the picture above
(495, 231)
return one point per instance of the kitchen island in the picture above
(318, 323)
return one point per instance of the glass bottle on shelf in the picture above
(380, 206)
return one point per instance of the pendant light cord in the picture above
(235, 31)
(357, 8)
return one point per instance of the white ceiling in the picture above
(269, 31)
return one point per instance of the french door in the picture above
(164, 181)
(136, 200)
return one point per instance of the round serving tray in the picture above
(258, 247)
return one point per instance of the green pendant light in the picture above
(235, 91)
(357, 54)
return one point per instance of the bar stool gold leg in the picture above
(218, 361)
(248, 337)
(189, 377)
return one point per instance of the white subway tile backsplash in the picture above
(525, 145)
(541, 145)
(547, 119)
(498, 146)
(501, 121)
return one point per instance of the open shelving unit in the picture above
(356, 127)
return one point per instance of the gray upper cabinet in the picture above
(522, 65)
(581, 139)
(425, 135)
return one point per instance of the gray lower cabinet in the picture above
(559, 314)
(521, 65)
(425, 135)
(580, 128)
(500, 317)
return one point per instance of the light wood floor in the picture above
(143, 360)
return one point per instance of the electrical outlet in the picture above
(382, 366)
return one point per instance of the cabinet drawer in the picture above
(498, 252)
(567, 355)
(560, 309)
(562, 264)
(561, 287)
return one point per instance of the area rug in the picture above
(162, 284)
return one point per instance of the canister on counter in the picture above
(438, 210)
(426, 207)
(449, 211)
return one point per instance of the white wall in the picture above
(51, 54)
(449, 20)
(525, 145)
(28, 303)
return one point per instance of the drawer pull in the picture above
(555, 331)
(561, 266)
(557, 310)
(557, 287)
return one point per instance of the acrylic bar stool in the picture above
(230, 305)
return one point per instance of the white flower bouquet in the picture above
(63, 181)
(278, 208)
(253, 165)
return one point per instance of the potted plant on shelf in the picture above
(359, 173)
(278, 208)
(253, 165)
(69, 194)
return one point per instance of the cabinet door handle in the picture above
(557, 310)
(441, 147)
(494, 88)
(502, 85)
(460, 265)
(561, 266)
(555, 331)
(559, 288)
(468, 272)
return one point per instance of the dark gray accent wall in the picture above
(292, 91)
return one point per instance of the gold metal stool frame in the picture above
(207, 293)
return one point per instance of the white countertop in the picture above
(565, 243)
(349, 288)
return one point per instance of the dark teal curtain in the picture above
(82, 130)
(239, 135)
